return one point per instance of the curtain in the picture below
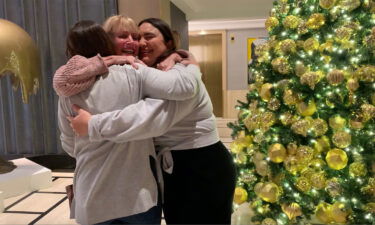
(31, 129)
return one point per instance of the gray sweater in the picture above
(111, 179)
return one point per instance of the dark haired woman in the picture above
(199, 177)
(114, 182)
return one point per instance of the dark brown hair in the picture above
(87, 38)
(166, 31)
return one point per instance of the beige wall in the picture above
(141, 9)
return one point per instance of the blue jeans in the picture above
(152, 216)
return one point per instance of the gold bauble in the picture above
(315, 21)
(335, 77)
(333, 187)
(306, 109)
(319, 126)
(288, 46)
(323, 213)
(342, 139)
(370, 207)
(240, 143)
(300, 69)
(291, 22)
(267, 119)
(368, 111)
(303, 184)
(317, 163)
(19, 55)
(265, 92)
(301, 127)
(280, 65)
(357, 169)
(307, 172)
(337, 159)
(269, 221)
(271, 23)
(292, 148)
(240, 195)
(273, 104)
(337, 122)
(261, 168)
(365, 73)
(311, 44)
(352, 84)
(318, 180)
(292, 210)
(311, 79)
(241, 157)
(322, 144)
(277, 153)
(252, 121)
(304, 153)
(349, 4)
(370, 187)
(356, 124)
(270, 192)
(327, 46)
(291, 164)
(289, 97)
(287, 118)
(327, 4)
(343, 34)
(339, 212)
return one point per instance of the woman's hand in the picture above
(80, 123)
(169, 62)
(121, 60)
(187, 57)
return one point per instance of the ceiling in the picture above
(224, 9)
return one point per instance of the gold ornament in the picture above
(300, 69)
(269, 192)
(335, 77)
(319, 127)
(291, 164)
(323, 213)
(352, 84)
(327, 46)
(292, 148)
(240, 195)
(322, 144)
(318, 180)
(349, 4)
(311, 79)
(301, 127)
(327, 4)
(370, 207)
(339, 212)
(271, 23)
(239, 144)
(241, 157)
(311, 44)
(365, 73)
(261, 168)
(317, 163)
(337, 122)
(289, 97)
(280, 65)
(269, 221)
(277, 153)
(315, 21)
(267, 119)
(337, 159)
(333, 187)
(343, 34)
(19, 55)
(368, 111)
(342, 139)
(292, 210)
(265, 92)
(304, 154)
(252, 121)
(303, 184)
(291, 22)
(302, 28)
(287, 118)
(370, 187)
(273, 104)
(306, 109)
(357, 169)
(356, 123)
(288, 46)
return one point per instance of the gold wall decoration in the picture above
(20, 57)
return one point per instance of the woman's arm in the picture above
(67, 135)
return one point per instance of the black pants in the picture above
(200, 189)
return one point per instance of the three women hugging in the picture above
(143, 135)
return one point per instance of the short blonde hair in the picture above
(119, 23)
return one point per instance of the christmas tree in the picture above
(304, 140)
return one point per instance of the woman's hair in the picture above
(119, 23)
(166, 31)
(88, 39)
